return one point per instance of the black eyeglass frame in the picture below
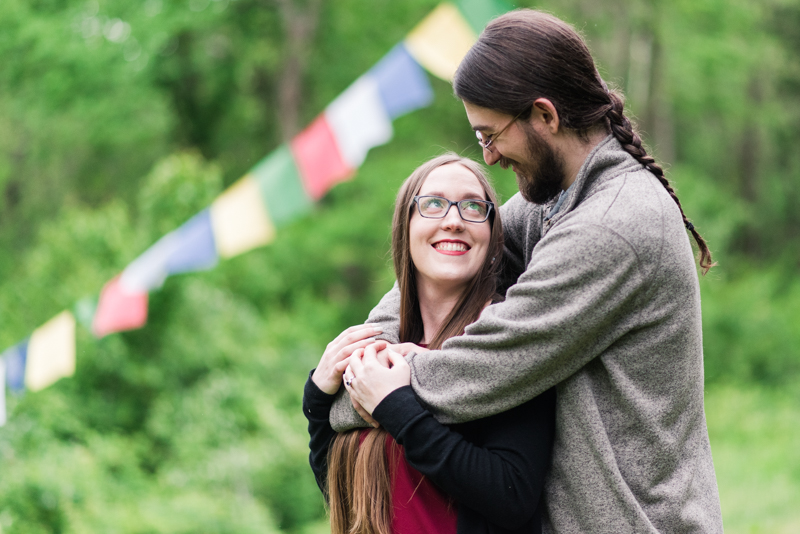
(457, 204)
(487, 145)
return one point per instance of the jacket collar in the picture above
(606, 161)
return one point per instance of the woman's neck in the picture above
(435, 303)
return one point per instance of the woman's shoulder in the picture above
(533, 413)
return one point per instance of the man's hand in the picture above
(328, 374)
(407, 348)
(363, 413)
(369, 382)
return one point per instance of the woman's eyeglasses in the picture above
(470, 210)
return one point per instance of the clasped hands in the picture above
(370, 369)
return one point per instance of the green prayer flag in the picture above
(478, 12)
(281, 188)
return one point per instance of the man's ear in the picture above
(545, 115)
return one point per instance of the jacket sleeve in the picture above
(316, 408)
(522, 226)
(564, 310)
(501, 476)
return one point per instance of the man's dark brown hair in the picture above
(527, 54)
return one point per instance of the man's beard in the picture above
(540, 179)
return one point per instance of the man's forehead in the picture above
(481, 118)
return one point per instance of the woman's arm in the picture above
(320, 392)
(499, 473)
(317, 408)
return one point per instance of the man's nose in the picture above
(491, 156)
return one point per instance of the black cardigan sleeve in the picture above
(495, 466)
(317, 407)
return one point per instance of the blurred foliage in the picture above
(121, 120)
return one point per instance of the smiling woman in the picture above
(416, 475)
(448, 251)
(429, 269)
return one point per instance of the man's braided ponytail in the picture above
(621, 127)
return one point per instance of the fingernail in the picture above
(377, 329)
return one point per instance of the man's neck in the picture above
(575, 150)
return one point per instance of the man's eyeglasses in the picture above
(487, 142)
(471, 210)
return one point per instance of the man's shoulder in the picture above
(633, 207)
(518, 207)
(632, 204)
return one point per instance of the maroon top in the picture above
(418, 506)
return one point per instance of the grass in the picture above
(755, 440)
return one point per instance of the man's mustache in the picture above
(505, 163)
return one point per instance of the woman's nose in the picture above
(452, 220)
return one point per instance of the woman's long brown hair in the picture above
(359, 476)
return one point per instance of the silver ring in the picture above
(348, 382)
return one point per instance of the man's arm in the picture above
(522, 227)
(387, 314)
(563, 311)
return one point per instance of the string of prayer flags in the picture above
(441, 41)
(14, 359)
(277, 190)
(51, 352)
(189, 248)
(119, 309)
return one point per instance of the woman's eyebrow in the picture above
(469, 194)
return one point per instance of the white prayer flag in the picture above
(359, 120)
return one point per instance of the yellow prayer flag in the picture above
(51, 352)
(240, 219)
(441, 41)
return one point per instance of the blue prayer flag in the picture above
(15, 359)
(188, 248)
(195, 249)
(402, 83)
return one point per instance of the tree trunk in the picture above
(300, 20)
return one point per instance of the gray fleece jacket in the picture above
(608, 311)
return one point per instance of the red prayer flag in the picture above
(119, 309)
(318, 158)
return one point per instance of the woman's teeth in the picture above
(455, 247)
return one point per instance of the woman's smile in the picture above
(451, 247)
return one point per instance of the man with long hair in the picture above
(604, 302)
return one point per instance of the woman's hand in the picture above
(369, 382)
(328, 374)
